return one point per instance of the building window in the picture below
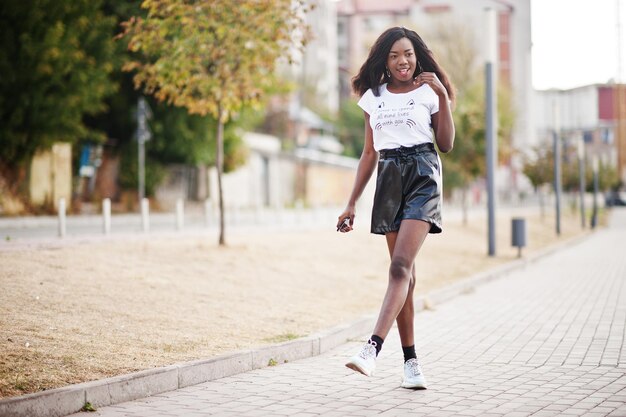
(607, 136)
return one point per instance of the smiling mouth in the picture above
(404, 71)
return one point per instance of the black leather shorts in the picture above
(408, 186)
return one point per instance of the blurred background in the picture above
(70, 113)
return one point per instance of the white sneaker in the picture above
(413, 376)
(365, 361)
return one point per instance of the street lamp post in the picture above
(491, 127)
(557, 167)
(581, 172)
(143, 135)
(594, 213)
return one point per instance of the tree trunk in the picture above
(220, 171)
(541, 203)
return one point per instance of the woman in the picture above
(405, 96)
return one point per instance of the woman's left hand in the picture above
(442, 121)
(432, 80)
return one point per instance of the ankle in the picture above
(377, 342)
(409, 352)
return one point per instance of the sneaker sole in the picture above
(415, 386)
(358, 369)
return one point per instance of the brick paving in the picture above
(546, 340)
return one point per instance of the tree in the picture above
(184, 138)
(55, 61)
(350, 128)
(177, 136)
(467, 161)
(454, 44)
(539, 168)
(608, 179)
(211, 57)
(607, 176)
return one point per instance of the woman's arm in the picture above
(443, 125)
(367, 164)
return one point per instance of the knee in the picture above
(400, 270)
(411, 280)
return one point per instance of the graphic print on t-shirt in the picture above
(394, 117)
(402, 119)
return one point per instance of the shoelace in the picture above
(366, 350)
(414, 366)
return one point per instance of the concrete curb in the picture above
(115, 390)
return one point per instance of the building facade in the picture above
(593, 114)
(314, 70)
(443, 24)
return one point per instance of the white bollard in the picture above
(145, 215)
(278, 215)
(62, 217)
(180, 214)
(299, 212)
(106, 215)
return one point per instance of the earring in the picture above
(419, 65)
(387, 72)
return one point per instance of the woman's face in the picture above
(402, 61)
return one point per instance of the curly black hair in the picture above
(372, 73)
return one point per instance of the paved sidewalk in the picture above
(546, 340)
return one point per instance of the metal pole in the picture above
(581, 172)
(618, 94)
(491, 128)
(594, 214)
(557, 167)
(141, 136)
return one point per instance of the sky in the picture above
(575, 42)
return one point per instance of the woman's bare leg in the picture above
(406, 244)
(405, 319)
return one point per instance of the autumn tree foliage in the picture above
(213, 56)
(55, 61)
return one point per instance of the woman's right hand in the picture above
(346, 220)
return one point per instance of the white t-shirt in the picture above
(400, 119)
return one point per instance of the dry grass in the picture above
(79, 312)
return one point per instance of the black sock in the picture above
(379, 343)
(409, 352)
